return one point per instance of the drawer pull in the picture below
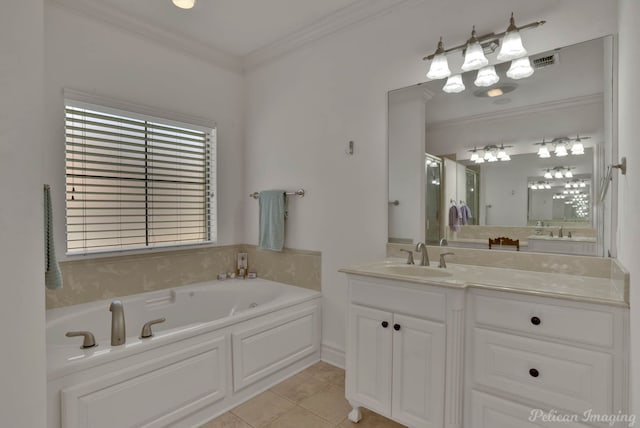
(385, 324)
(534, 372)
(396, 327)
(535, 320)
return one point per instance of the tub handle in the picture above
(146, 328)
(89, 339)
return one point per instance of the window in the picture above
(134, 181)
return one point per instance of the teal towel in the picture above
(272, 213)
(52, 274)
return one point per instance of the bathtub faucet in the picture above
(118, 332)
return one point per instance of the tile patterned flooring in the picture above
(313, 398)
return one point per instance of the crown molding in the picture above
(109, 15)
(356, 13)
(521, 111)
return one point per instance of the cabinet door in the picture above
(369, 359)
(418, 371)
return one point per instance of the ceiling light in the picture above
(487, 76)
(495, 92)
(454, 84)
(520, 68)
(561, 150)
(474, 57)
(184, 4)
(439, 68)
(512, 43)
(548, 174)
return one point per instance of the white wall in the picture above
(22, 359)
(629, 196)
(303, 109)
(89, 56)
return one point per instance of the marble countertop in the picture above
(571, 287)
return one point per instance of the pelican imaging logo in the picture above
(589, 416)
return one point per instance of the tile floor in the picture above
(314, 398)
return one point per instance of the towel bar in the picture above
(299, 192)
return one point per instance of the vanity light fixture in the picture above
(184, 4)
(439, 68)
(454, 84)
(487, 76)
(474, 50)
(490, 153)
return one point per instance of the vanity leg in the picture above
(355, 414)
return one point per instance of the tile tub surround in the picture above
(90, 279)
(599, 267)
(313, 398)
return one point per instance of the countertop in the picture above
(564, 238)
(570, 287)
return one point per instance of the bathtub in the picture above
(222, 342)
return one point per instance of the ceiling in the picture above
(238, 27)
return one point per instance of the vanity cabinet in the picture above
(397, 351)
(526, 352)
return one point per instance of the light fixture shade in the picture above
(487, 76)
(505, 158)
(568, 174)
(583, 184)
(561, 150)
(474, 156)
(548, 174)
(184, 4)
(439, 68)
(577, 148)
(543, 152)
(520, 68)
(558, 174)
(511, 47)
(474, 57)
(454, 84)
(502, 154)
(547, 186)
(480, 159)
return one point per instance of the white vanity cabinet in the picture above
(404, 356)
(526, 352)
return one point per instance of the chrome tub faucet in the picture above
(118, 331)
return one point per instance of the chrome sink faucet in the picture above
(409, 256)
(425, 256)
(443, 262)
(560, 232)
(118, 331)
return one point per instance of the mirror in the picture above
(471, 166)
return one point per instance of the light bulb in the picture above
(184, 4)
(487, 76)
(454, 84)
(474, 57)
(520, 68)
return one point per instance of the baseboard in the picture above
(332, 355)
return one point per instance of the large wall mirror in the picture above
(521, 159)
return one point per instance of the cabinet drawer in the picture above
(560, 376)
(583, 325)
(488, 411)
(429, 302)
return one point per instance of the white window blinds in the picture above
(134, 181)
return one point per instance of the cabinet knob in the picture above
(396, 327)
(385, 324)
(535, 320)
(534, 372)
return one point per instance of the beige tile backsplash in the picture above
(86, 280)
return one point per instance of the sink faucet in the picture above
(443, 262)
(560, 232)
(425, 256)
(118, 332)
(409, 255)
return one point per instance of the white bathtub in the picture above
(222, 342)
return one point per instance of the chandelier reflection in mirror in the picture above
(561, 146)
(475, 50)
(490, 153)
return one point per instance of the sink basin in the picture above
(413, 270)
